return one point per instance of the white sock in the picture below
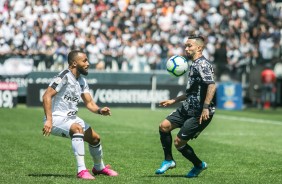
(78, 149)
(97, 155)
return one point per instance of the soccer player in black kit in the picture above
(194, 114)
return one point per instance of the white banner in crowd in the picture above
(16, 66)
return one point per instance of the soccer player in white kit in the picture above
(60, 106)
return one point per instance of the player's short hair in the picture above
(72, 55)
(200, 40)
(197, 37)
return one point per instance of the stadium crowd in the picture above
(141, 35)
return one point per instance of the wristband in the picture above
(99, 111)
(206, 106)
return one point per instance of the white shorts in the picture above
(61, 125)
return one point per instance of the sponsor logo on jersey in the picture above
(71, 99)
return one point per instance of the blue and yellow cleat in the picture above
(166, 165)
(195, 171)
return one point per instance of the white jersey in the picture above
(69, 89)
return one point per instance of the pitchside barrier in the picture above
(111, 88)
(229, 96)
(8, 94)
(94, 77)
(115, 89)
(116, 95)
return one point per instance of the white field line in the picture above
(248, 120)
(129, 132)
(217, 116)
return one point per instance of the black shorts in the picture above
(189, 125)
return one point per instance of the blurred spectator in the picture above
(60, 56)
(43, 57)
(268, 98)
(94, 52)
(130, 55)
(266, 44)
(107, 58)
(5, 50)
(164, 54)
(30, 41)
(114, 48)
(18, 39)
(141, 56)
(220, 60)
(213, 17)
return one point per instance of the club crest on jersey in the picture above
(58, 80)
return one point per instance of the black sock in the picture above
(166, 140)
(188, 152)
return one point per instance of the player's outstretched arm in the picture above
(47, 105)
(93, 107)
(166, 103)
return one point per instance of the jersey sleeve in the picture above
(57, 82)
(206, 72)
(84, 86)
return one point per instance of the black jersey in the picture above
(200, 75)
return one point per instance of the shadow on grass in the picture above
(166, 176)
(51, 175)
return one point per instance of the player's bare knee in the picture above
(91, 137)
(178, 143)
(76, 128)
(164, 127)
(96, 140)
(92, 140)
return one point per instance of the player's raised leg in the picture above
(96, 151)
(166, 141)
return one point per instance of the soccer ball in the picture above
(176, 65)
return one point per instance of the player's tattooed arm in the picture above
(210, 93)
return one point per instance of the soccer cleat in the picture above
(166, 165)
(195, 171)
(106, 171)
(84, 174)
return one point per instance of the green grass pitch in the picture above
(239, 147)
